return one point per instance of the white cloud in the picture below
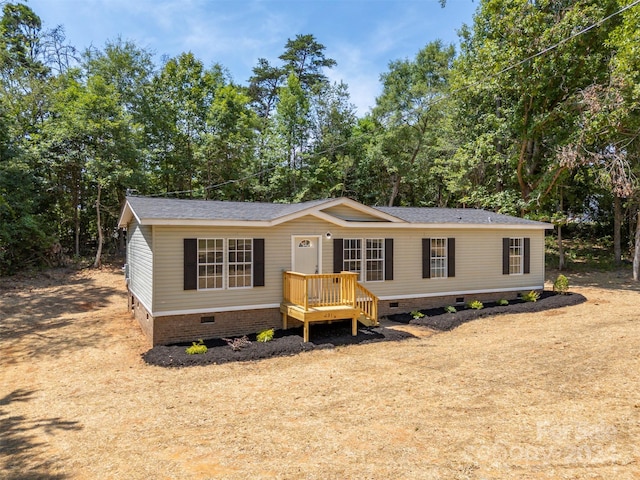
(358, 72)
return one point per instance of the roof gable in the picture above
(340, 211)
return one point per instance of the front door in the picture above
(306, 254)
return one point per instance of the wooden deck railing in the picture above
(366, 302)
(326, 297)
(320, 290)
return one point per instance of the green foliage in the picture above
(561, 285)
(75, 138)
(503, 302)
(475, 305)
(531, 296)
(265, 335)
(450, 309)
(417, 314)
(197, 348)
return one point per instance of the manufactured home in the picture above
(207, 269)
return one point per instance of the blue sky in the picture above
(363, 36)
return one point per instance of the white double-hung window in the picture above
(216, 273)
(438, 258)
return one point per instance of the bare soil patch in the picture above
(553, 394)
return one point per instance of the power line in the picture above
(436, 99)
(236, 180)
(570, 37)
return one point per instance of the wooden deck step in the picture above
(367, 321)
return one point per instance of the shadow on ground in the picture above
(35, 310)
(21, 454)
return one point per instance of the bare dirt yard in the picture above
(554, 394)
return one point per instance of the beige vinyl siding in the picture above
(478, 262)
(140, 261)
(348, 213)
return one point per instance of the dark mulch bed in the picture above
(285, 343)
(439, 319)
(289, 342)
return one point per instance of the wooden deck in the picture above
(315, 298)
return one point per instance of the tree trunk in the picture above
(636, 255)
(560, 246)
(76, 222)
(98, 261)
(617, 230)
(560, 249)
(76, 214)
(394, 190)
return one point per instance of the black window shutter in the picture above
(258, 262)
(388, 258)
(338, 247)
(190, 263)
(527, 255)
(505, 256)
(426, 258)
(451, 257)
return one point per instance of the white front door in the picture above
(306, 254)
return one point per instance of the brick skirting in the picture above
(186, 328)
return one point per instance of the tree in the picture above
(516, 106)
(411, 108)
(229, 144)
(263, 87)
(304, 57)
(177, 104)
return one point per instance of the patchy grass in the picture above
(546, 395)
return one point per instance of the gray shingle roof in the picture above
(454, 216)
(171, 209)
(179, 209)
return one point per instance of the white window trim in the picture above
(199, 264)
(521, 255)
(344, 260)
(244, 287)
(445, 258)
(362, 277)
(225, 264)
(384, 255)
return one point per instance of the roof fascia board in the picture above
(127, 213)
(317, 209)
(345, 224)
(365, 209)
(205, 223)
(331, 219)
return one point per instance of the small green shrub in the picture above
(475, 304)
(532, 296)
(561, 285)
(450, 309)
(503, 302)
(265, 335)
(197, 348)
(416, 314)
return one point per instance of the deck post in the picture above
(305, 331)
(284, 320)
(354, 326)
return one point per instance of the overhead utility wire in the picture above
(466, 87)
(236, 180)
(570, 37)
